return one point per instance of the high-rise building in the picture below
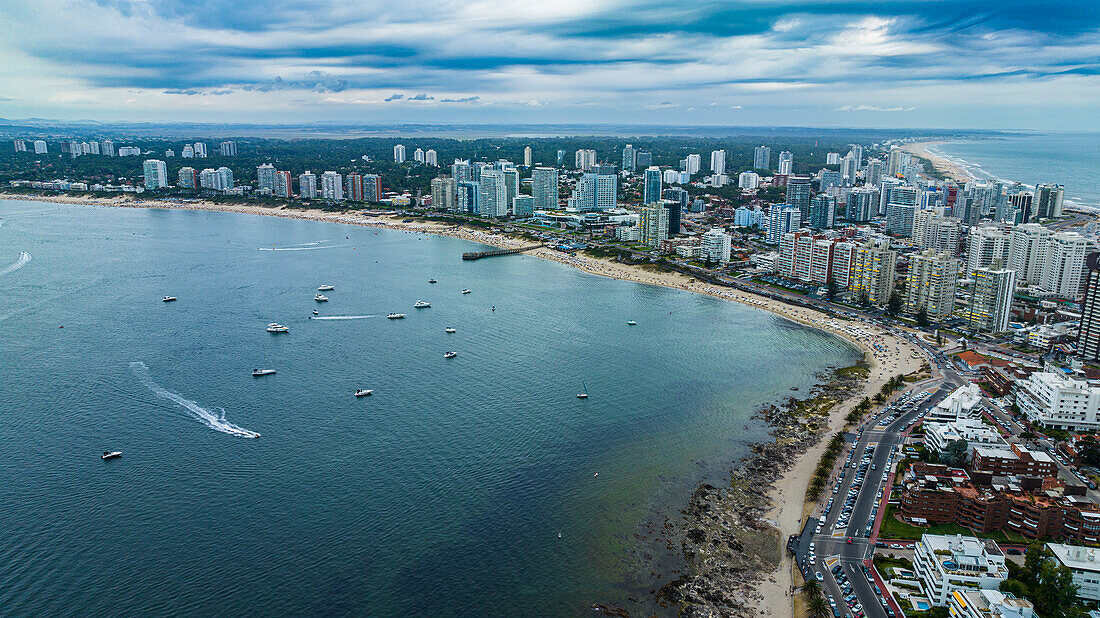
(986, 245)
(782, 219)
(1048, 201)
(595, 193)
(307, 185)
(873, 174)
(156, 174)
(228, 149)
(762, 158)
(857, 153)
(643, 159)
(829, 180)
(39, 146)
(901, 209)
(675, 212)
(893, 161)
(832, 158)
(749, 181)
(527, 156)
(332, 186)
(188, 178)
(283, 184)
(523, 206)
(585, 160)
(494, 193)
(468, 197)
(1064, 263)
(561, 158)
(462, 171)
(848, 169)
(1027, 251)
(431, 158)
(873, 272)
(200, 149)
(693, 163)
(188, 152)
(399, 153)
(443, 194)
(861, 205)
(107, 147)
(798, 194)
(1020, 205)
(372, 188)
(630, 160)
(930, 285)
(651, 185)
(418, 155)
(716, 246)
(786, 163)
(990, 306)
(511, 183)
(653, 224)
(822, 211)
(353, 187)
(265, 179)
(718, 161)
(544, 188)
(1088, 337)
(938, 232)
(20, 145)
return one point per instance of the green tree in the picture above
(922, 318)
(830, 288)
(955, 453)
(1055, 593)
(818, 607)
(893, 306)
(1033, 562)
(811, 588)
(1015, 587)
(939, 339)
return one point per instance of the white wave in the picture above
(342, 317)
(310, 248)
(24, 257)
(205, 416)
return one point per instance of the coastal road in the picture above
(844, 538)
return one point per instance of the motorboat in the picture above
(432, 281)
(448, 330)
(421, 304)
(315, 312)
(168, 299)
(631, 323)
(275, 327)
(363, 392)
(450, 355)
(321, 298)
(466, 291)
(110, 454)
(584, 394)
(395, 316)
(262, 372)
(325, 288)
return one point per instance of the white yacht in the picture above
(450, 355)
(466, 291)
(168, 299)
(631, 323)
(448, 330)
(315, 312)
(321, 298)
(110, 454)
(262, 372)
(363, 392)
(395, 316)
(325, 288)
(421, 304)
(275, 327)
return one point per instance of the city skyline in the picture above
(875, 64)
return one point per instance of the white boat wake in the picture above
(341, 317)
(24, 257)
(306, 246)
(203, 415)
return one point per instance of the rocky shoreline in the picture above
(725, 542)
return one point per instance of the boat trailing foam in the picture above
(341, 317)
(24, 257)
(213, 420)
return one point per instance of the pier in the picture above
(477, 255)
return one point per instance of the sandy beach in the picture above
(947, 168)
(886, 355)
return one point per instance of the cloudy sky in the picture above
(868, 63)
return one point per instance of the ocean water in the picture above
(1069, 159)
(443, 494)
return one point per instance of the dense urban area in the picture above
(966, 489)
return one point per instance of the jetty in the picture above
(477, 255)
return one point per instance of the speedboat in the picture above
(315, 312)
(448, 330)
(321, 298)
(421, 304)
(466, 291)
(395, 316)
(431, 281)
(110, 454)
(325, 288)
(363, 392)
(262, 372)
(168, 299)
(275, 327)
(450, 355)
(631, 323)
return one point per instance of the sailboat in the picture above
(583, 395)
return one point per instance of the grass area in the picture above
(894, 529)
(855, 371)
(886, 565)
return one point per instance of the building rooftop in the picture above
(1076, 557)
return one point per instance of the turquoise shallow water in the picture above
(442, 494)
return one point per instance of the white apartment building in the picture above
(1059, 401)
(874, 266)
(653, 225)
(1027, 251)
(985, 246)
(748, 180)
(332, 186)
(1064, 264)
(716, 246)
(931, 284)
(1084, 563)
(938, 435)
(962, 403)
(988, 604)
(944, 564)
(399, 153)
(990, 306)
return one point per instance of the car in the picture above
(880, 544)
(1012, 551)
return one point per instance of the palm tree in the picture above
(818, 607)
(812, 589)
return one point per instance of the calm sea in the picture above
(1069, 159)
(443, 494)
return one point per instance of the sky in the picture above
(966, 64)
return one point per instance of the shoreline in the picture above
(785, 495)
(948, 168)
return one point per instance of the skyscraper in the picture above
(585, 159)
(718, 161)
(353, 187)
(693, 163)
(431, 158)
(1063, 264)
(716, 246)
(443, 194)
(1027, 250)
(561, 158)
(930, 285)
(156, 174)
(1088, 338)
(462, 171)
(873, 272)
(1048, 201)
(653, 224)
(629, 158)
(873, 174)
(200, 150)
(651, 185)
(332, 186)
(523, 206)
(848, 169)
(265, 179)
(399, 153)
(494, 193)
(39, 146)
(986, 246)
(990, 306)
(372, 188)
(527, 156)
(20, 145)
(798, 194)
(786, 162)
(1021, 204)
(418, 155)
(762, 158)
(307, 185)
(643, 159)
(782, 219)
(544, 188)
(595, 193)
(228, 149)
(901, 209)
(187, 178)
(468, 197)
(283, 184)
(862, 204)
(822, 211)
